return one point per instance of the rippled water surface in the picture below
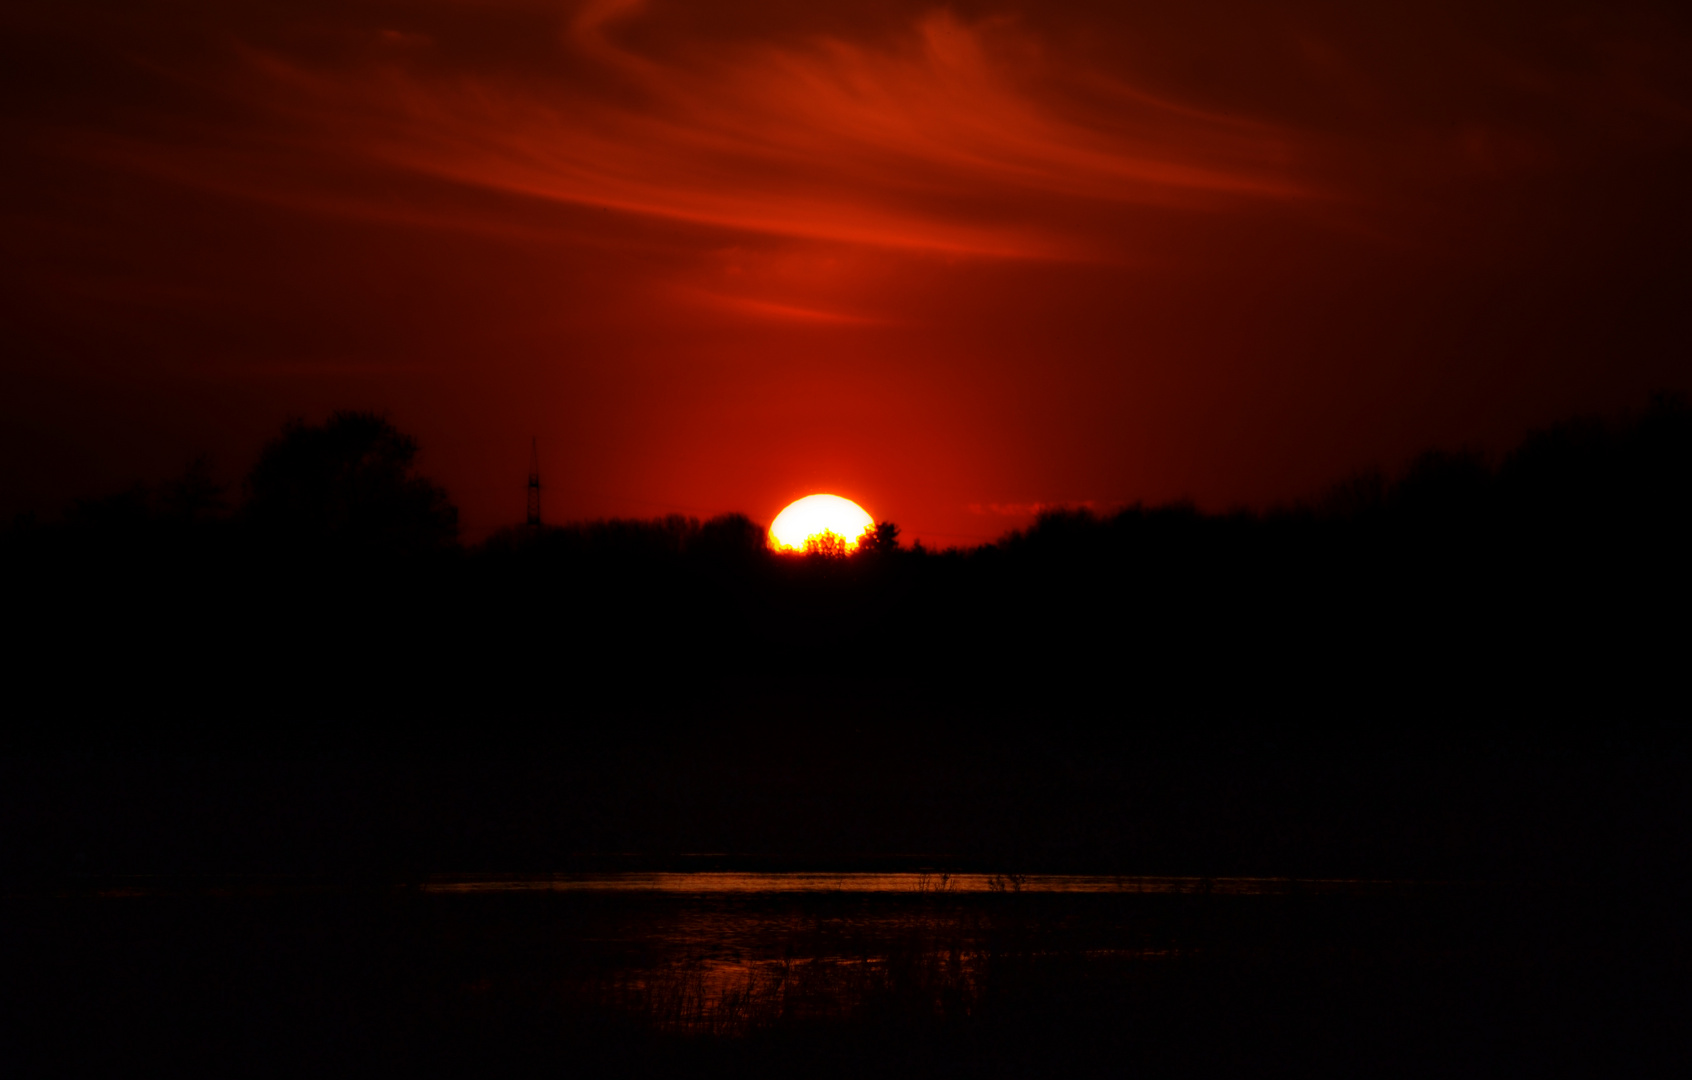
(918, 881)
(552, 969)
(730, 951)
(724, 951)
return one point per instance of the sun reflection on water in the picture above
(918, 881)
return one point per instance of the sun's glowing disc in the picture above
(815, 521)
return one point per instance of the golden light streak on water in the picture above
(713, 882)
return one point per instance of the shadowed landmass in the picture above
(1098, 689)
(250, 732)
(1457, 599)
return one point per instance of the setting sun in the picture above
(813, 519)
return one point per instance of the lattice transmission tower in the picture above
(534, 483)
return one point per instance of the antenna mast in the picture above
(534, 484)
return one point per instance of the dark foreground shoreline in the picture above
(1581, 979)
(1299, 915)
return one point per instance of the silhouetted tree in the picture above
(880, 539)
(348, 484)
(1356, 498)
(1443, 487)
(121, 514)
(194, 497)
(1542, 580)
(733, 537)
(826, 544)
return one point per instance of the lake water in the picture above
(843, 972)
(725, 952)
(920, 882)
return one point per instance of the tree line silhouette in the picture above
(1465, 668)
(332, 594)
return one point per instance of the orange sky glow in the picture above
(969, 260)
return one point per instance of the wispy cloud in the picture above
(767, 310)
(952, 137)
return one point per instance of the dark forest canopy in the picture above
(1519, 592)
(347, 486)
(350, 486)
(348, 483)
(1419, 674)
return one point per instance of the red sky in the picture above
(949, 261)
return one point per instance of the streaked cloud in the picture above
(951, 136)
